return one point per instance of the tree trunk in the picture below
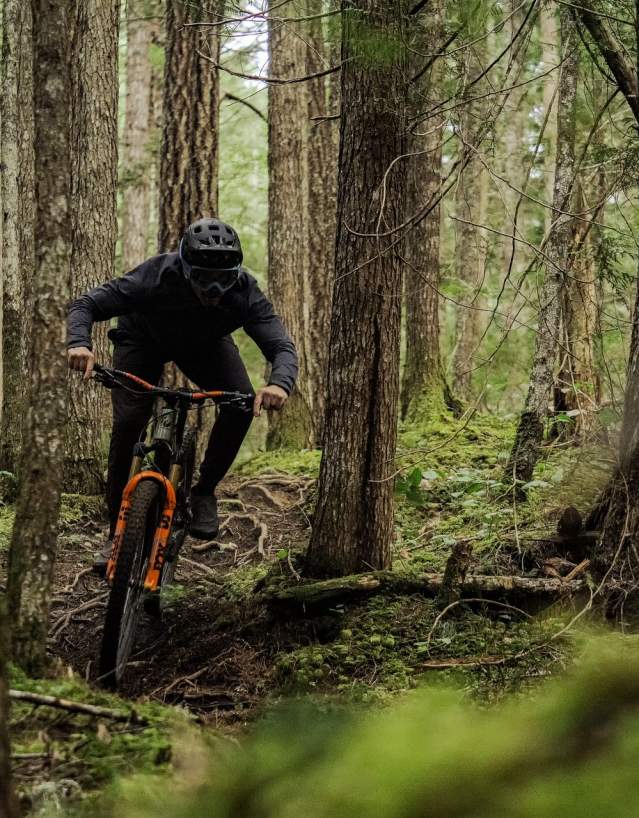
(471, 199)
(322, 200)
(188, 180)
(423, 378)
(16, 166)
(616, 509)
(288, 220)
(578, 388)
(94, 221)
(137, 159)
(525, 451)
(550, 58)
(8, 806)
(513, 145)
(353, 521)
(189, 158)
(33, 543)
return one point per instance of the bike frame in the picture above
(167, 434)
(164, 430)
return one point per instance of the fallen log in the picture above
(310, 596)
(77, 707)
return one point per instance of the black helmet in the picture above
(211, 256)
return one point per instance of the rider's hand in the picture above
(81, 359)
(269, 397)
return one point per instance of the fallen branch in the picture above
(77, 707)
(325, 593)
(470, 661)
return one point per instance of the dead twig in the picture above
(578, 569)
(190, 678)
(76, 707)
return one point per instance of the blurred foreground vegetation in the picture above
(570, 749)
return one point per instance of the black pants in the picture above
(217, 367)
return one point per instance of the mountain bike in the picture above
(154, 515)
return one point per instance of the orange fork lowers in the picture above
(161, 537)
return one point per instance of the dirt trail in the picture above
(211, 653)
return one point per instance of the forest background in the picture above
(440, 200)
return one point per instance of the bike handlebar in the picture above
(109, 378)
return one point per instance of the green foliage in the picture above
(570, 750)
(375, 650)
(91, 752)
(304, 462)
(7, 516)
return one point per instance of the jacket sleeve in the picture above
(266, 329)
(116, 297)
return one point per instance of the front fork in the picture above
(163, 431)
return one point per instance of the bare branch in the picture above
(612, 51)
(271, 80)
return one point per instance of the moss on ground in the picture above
(304, 463)
(390, 644)
(87, 751)
(7, 515)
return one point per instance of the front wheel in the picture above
(125, 599)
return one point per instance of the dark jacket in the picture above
(158, 309)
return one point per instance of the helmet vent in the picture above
(197, 230)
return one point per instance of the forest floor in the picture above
(222, 658)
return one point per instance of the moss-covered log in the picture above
(309, 597)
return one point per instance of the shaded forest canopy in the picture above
(439, 199)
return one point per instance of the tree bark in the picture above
(137, 158)
(188, 179)
(8, 805)
(513, 130)
(525, 451)
(323, 148)
(94, 221)
(33, 543)
(578, 388)
(188, 183)
(423, 376)
(353, 521)
(550, 57)
(288, 221)
(17, 163)
(471, 200)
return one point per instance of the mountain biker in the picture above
(182, 307)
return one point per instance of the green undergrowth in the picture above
(77, 508)
(7, 514)
(63, 757)
(451, 487)
(74, 509)
(371, 651)
(569, 750)
(304, 463)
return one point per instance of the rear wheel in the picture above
(125, 599)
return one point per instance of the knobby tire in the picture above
(127, 592)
